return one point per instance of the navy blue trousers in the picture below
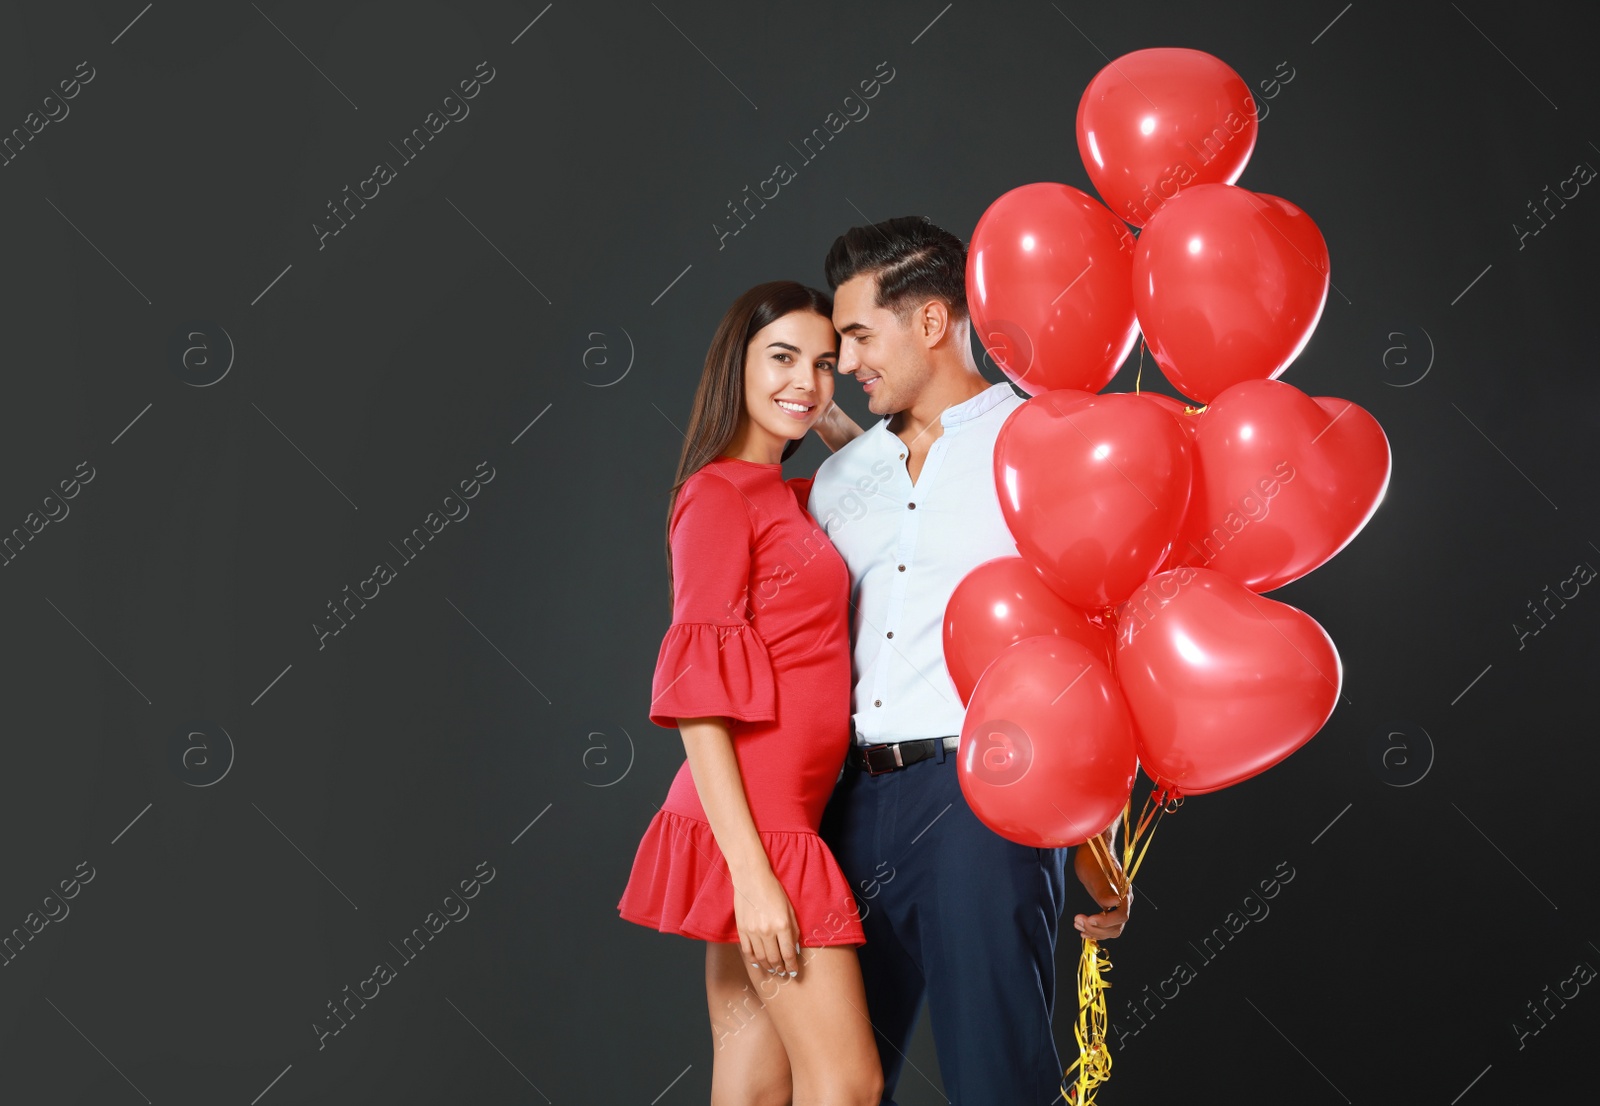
(960, 915)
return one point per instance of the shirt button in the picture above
(902, 456)
(901, 567)
(891, 633)
(911, 506)
(877, 702)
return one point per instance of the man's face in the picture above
(887, 357)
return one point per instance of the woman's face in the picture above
(788, 373)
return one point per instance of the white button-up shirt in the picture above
(907, 547)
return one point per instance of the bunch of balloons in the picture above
(1132, 630)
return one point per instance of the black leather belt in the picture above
(891, 756)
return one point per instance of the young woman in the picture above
(755, 674)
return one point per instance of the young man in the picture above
(952, 910)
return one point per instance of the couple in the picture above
(816, 837)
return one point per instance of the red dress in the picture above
(759, 635)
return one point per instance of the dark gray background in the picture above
(536, 291)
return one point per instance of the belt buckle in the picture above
(866, 755)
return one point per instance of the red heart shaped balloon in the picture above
(1046, 755)
(999, 603)
(1160, 120)
(1093, 489)
(1228, 285)
(1049, 285)
(1222, 683)
(1187, 414)
(1282, 482)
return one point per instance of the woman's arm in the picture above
(835, 428)
(768, 928)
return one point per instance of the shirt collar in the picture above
(978, 405)
(960, 414)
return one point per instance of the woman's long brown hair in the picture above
(719, 399)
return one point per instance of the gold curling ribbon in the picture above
(1188, 408)
(1093, 1064)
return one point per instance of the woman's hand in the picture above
(835, 428)
(768, 929)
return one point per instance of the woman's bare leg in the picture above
(821, 1020)
(749, 1065)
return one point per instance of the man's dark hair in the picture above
(912, 259)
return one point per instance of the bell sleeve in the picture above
(712, 662)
